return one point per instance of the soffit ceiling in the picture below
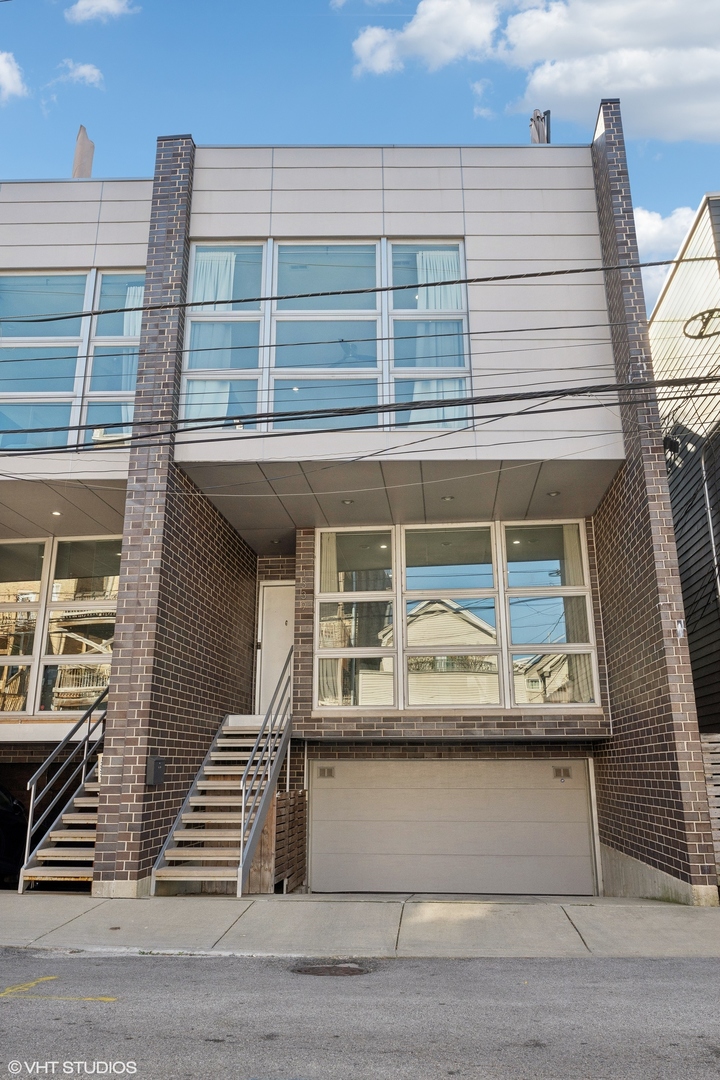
(267, 502)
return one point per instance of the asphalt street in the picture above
(256, 1019)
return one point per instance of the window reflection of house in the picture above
(552, 678)
(76, 632)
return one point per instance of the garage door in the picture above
(458, 827)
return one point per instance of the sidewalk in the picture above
(357, 926)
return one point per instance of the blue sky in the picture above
(397, 71)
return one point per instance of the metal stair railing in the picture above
(261, 772)
(79, 763)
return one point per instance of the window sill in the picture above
(439, 710)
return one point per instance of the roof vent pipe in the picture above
(83, 160)
(540, 127)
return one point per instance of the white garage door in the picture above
(451, 827)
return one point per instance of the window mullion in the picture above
(265, 396)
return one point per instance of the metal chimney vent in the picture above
(540, 127)
(84, 152)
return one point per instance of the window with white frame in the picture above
(331, 340)
(453, 616)
(72, 370)
(58, 600)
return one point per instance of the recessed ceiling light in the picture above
(383, 546)
(448, 498)
(552, 494)
(56, 513)
(348, 502)
(516, 541)
(446, 543)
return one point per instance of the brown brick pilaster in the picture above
(185, 626)
(651, 798)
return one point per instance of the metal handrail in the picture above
(87, 748)
(263, 766)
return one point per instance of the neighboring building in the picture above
(685, 339)
(490, 692)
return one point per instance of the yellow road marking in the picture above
(57, 997)
(21, 987)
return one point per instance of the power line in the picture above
(368, 291)
(162, 438)
(390, 407)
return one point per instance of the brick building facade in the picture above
(466, 716)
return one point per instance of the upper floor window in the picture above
(222, 276)
(120, 296)
(418, 263)
(326, 268)
(26, 301)
(77, 370)
(329, 340)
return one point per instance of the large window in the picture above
(330, 340)
(453, 616)
(61, 372)
(57, 623)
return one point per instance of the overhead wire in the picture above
(487, 279)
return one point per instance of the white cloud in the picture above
(479, 88)
(11, 80)
(666, 93)
(337, 4)
(439, 32)
(659, 56)
(659, 238)
(87, 74)
(86, 10)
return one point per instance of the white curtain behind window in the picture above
(216, 338)
(572, 564)
(329, 682)
(213, 277)
(132, 320)
(207, 397)
(443, 416)
(127, 368)
(438, 266)
(328, 563)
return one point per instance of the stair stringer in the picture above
(266, 798)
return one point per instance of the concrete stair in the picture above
(67, 852)
(204, 845)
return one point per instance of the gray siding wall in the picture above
(74, 224)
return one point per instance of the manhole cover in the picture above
(331, 969)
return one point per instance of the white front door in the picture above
(276, 628)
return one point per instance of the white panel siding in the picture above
(327, 179)
(74, 224)
(230, 226)
(531, 178)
